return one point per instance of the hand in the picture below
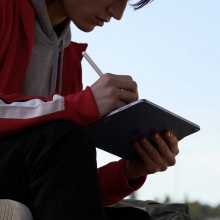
(113, 91)
(153, 158)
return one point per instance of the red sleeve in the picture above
(18, 112)
(113, 183)
(2, 17)
(84, 105)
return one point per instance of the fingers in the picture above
(158, 155)
(122, 83)
(150, 156)
(172, 142)
(113, 91)
(166, 145)
(137, 95)
(127, 96)
(116, 76)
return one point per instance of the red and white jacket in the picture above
(19, 112)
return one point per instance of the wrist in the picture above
(132, 175)
(130, 172)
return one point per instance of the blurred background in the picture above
(172, 50)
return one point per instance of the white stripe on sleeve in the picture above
(31, 109)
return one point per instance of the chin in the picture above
(88, 28)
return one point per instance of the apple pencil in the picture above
(91, 62)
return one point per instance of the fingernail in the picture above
(142, 139)
(155, 136)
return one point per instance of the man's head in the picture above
(87, 14)
(136, 5)
(49, 1)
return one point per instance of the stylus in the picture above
(91, 62)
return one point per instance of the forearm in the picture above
(18, 112)
(114, 185)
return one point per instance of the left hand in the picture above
(152, 158)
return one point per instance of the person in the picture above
(47, 161)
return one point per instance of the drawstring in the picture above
(64, 39)
(61, 67)
(54, 65)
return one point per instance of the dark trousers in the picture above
(51, 168)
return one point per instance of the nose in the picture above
(116, 9)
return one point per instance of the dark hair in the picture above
(49, 1)
(137, 5)
(140, 4)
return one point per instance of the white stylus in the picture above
(91, 62)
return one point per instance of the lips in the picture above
(101, 21)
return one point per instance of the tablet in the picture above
(116, 132)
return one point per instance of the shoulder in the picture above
(10, 8)
(14, 12)
(13, 4)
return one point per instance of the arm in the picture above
(18, 111)
(114, 185)
(120, 179)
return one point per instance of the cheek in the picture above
(75, 9)
(83, 20)
(81, 13)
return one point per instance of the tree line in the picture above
(198, 210)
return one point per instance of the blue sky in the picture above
(172, 50)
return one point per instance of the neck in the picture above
(56, 13)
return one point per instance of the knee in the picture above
(61, 140)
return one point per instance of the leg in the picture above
(52, 169)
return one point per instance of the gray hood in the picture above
(41, 76)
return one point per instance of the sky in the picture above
(171, 48)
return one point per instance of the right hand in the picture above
(113, 91)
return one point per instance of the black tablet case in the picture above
(116, 132)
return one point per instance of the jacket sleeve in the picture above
(113, 184)
(2, 17)
(18, 112)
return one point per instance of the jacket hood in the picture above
(58, 42)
